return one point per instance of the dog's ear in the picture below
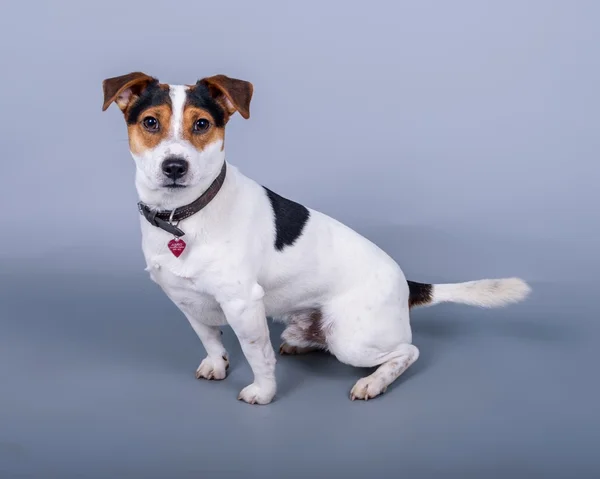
(232, 94)
(123, 89)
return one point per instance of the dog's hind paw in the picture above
(367, 388)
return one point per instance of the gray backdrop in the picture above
(460, 136)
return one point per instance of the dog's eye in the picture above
(150, 123)
(201, 125)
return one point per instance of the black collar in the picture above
(164, 219)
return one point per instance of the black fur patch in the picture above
(153, 95)
(290, 218)
(420, 294)
(200, 97)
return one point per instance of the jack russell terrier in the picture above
(227, 250)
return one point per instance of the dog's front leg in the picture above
(215, 364)
(246, 316)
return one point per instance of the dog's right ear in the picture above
(125, 88)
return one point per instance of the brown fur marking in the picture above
(231, 93)
(113, 87)
(315, 333)
(141, 139)
(305, 329)
(200, 140)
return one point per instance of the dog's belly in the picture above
(281, 301)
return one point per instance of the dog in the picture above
(228, 251)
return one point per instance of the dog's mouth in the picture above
(174, 186)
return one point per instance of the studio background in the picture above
(461, 137)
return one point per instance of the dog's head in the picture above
(176, 132)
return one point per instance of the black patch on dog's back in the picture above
(199, 96)
(290, 218)
(153, 95)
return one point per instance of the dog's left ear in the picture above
(232, 94)
(123, 89)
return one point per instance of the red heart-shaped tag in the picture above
(177, 246)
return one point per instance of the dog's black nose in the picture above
(174, 167)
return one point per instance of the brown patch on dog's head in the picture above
(209, 105)
(153, 126)
(124, 89)
(146, 105)
(230, 93)
(201, 128)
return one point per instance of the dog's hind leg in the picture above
(377, 383)
(372, 330)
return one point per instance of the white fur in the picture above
(485, 293)
(230, 273)
(177, 93)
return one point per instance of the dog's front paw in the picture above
(213, 368)
(255, 394)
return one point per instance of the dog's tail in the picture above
(484, 293)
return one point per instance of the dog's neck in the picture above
(169, 199)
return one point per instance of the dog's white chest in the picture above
(185, 291)
(170, 276)
(166, 274)
(181, 278)
(173, 274)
